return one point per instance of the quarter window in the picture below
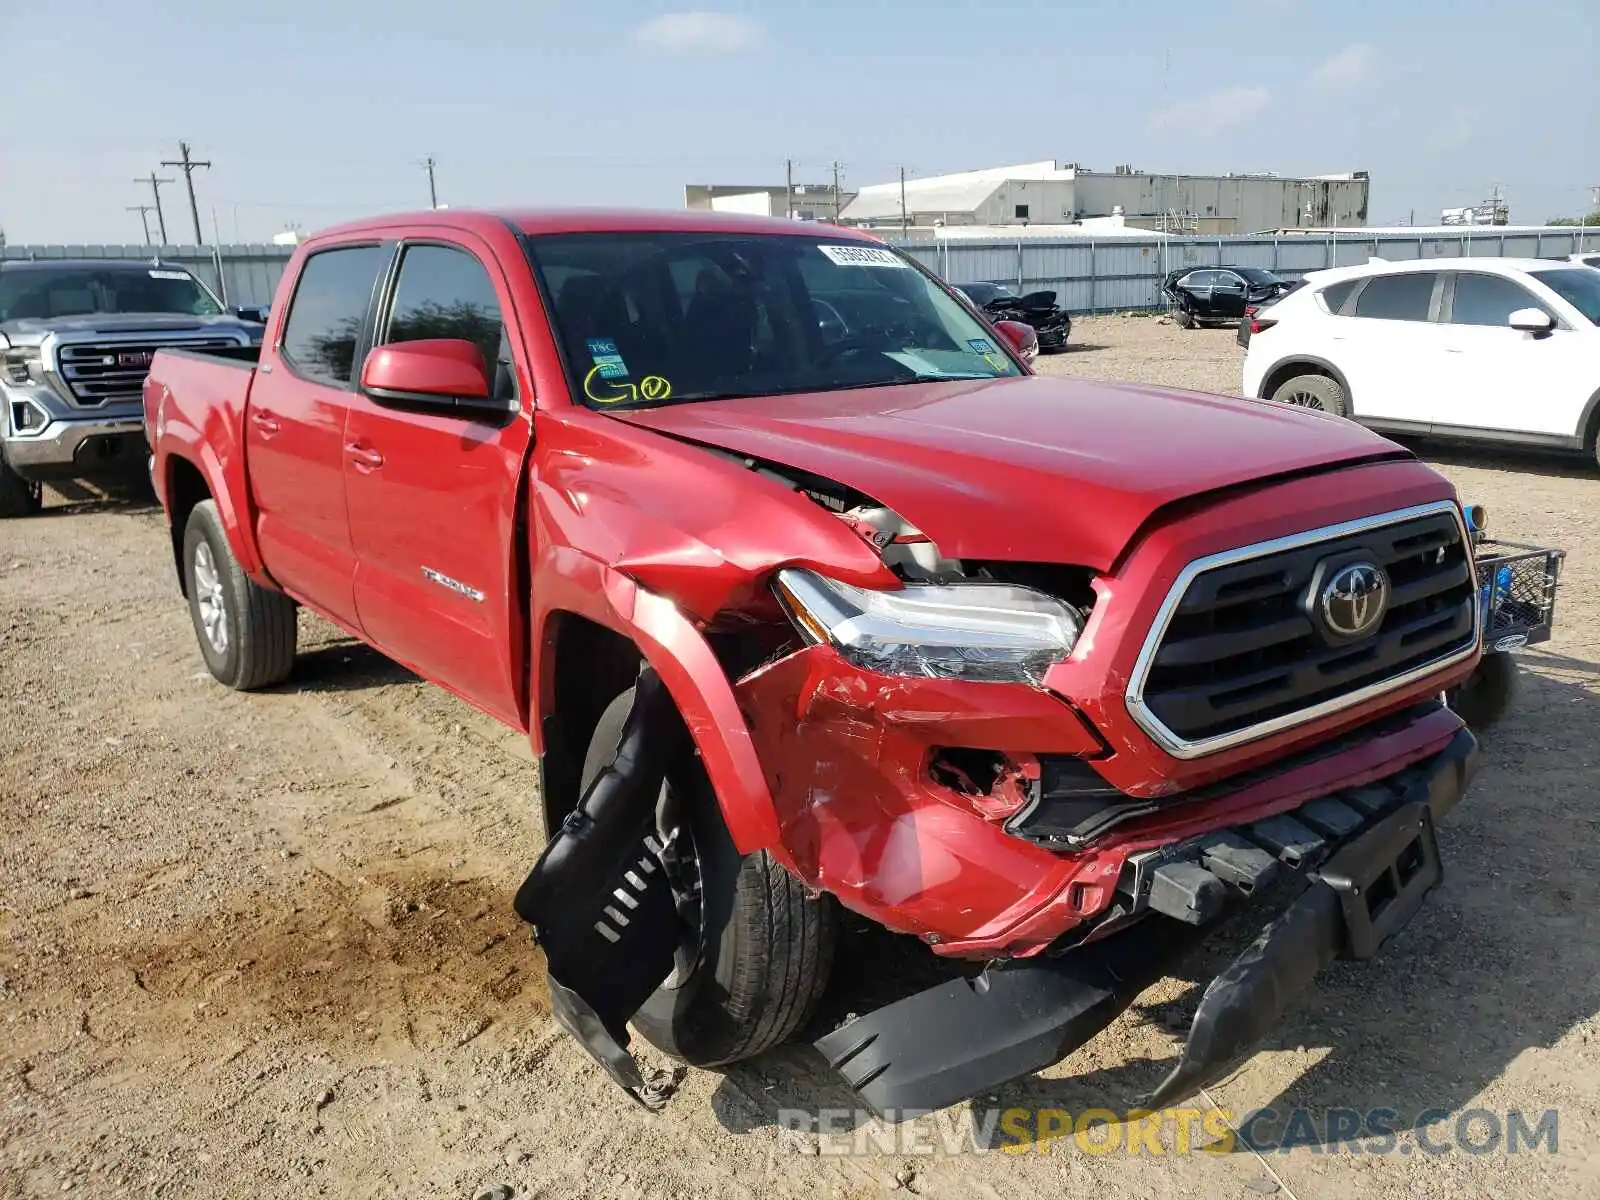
(1335, 294)
(329, 306)
(1401, 297)
(1488, 300)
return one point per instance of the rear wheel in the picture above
(19, 497)
(1319, 392)
(1184, 318)
(247, 632)
(755, 950)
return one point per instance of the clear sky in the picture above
(314, 111)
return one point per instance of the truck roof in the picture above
(99, 264)
(598, 220)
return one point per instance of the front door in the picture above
(434, 496)
(1502, 378)
(1227, 296)
(294, 429)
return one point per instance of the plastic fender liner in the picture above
(598, 898)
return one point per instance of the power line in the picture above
(144, 211)
(189, 166)
(155, 191)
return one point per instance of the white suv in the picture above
(1493, 349)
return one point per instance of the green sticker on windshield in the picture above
(603, 353)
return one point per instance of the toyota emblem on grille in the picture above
(1354, 599)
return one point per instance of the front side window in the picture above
(1578, 286)
(1400, 297)
(443, 292)
(326, 314)
(1488, 300)
(660, 318)
(44, 293)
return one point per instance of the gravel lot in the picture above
(261, 946)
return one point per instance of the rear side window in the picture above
(1488, 300)
(1404, 297)
(1335, 294)
(444, 292)
(326, 314)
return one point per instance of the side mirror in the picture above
(1531, 320)
(436, 372)
(1020, 337)
(251, 312)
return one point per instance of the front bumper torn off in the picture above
(1356, 888)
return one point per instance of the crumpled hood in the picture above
(30, 331)
(1025, 469)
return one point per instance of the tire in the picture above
(257, 643)
(19, 497)
(766, 948)
(1485, 697)
(1184, 318)
(1320, 392)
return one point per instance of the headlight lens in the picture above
(18, 360)
(989, 632)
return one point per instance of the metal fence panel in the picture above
(1088, 275)
(1098, 276)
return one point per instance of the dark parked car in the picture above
(1204, 295)
(1049, 320)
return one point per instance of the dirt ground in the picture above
(261, 946)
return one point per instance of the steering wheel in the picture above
(866, 342)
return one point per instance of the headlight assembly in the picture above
(991, 632)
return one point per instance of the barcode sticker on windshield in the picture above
(169, 275)
(864, 256)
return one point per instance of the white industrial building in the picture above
(1052, 194)
(802, 201)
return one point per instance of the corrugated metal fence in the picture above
(1124, 273)
(1087, 275)
(239, 274)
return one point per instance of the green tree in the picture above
(1592, 219)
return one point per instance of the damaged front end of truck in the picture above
(1072, 774)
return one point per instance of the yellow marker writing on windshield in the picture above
(651, 387)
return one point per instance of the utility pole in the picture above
(835, 191)
(189, 166)
(905, 217)
(155, 191)
(144, 211)
(433, 191)
(788, 188)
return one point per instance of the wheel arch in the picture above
(1588, 432)
(593, 628)
(1286, 369)
(186, 487)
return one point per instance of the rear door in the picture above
(1197, 285)
(433, 494)
(1391, 349)
(294, 428)
(1502, 378)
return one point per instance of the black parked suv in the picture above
(1210, 295)
(1051, 323)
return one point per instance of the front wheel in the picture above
(247, 632)
(1184, 318)
(1319, 392)
(19, 497)
(755, 950)
(1484, 697)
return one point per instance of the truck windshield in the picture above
(42, 293)
(661, 318)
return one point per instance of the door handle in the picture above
(364, 458)
(265, 422)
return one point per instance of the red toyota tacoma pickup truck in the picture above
(810, 594)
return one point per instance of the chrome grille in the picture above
(1236, 652)
(100, 373)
